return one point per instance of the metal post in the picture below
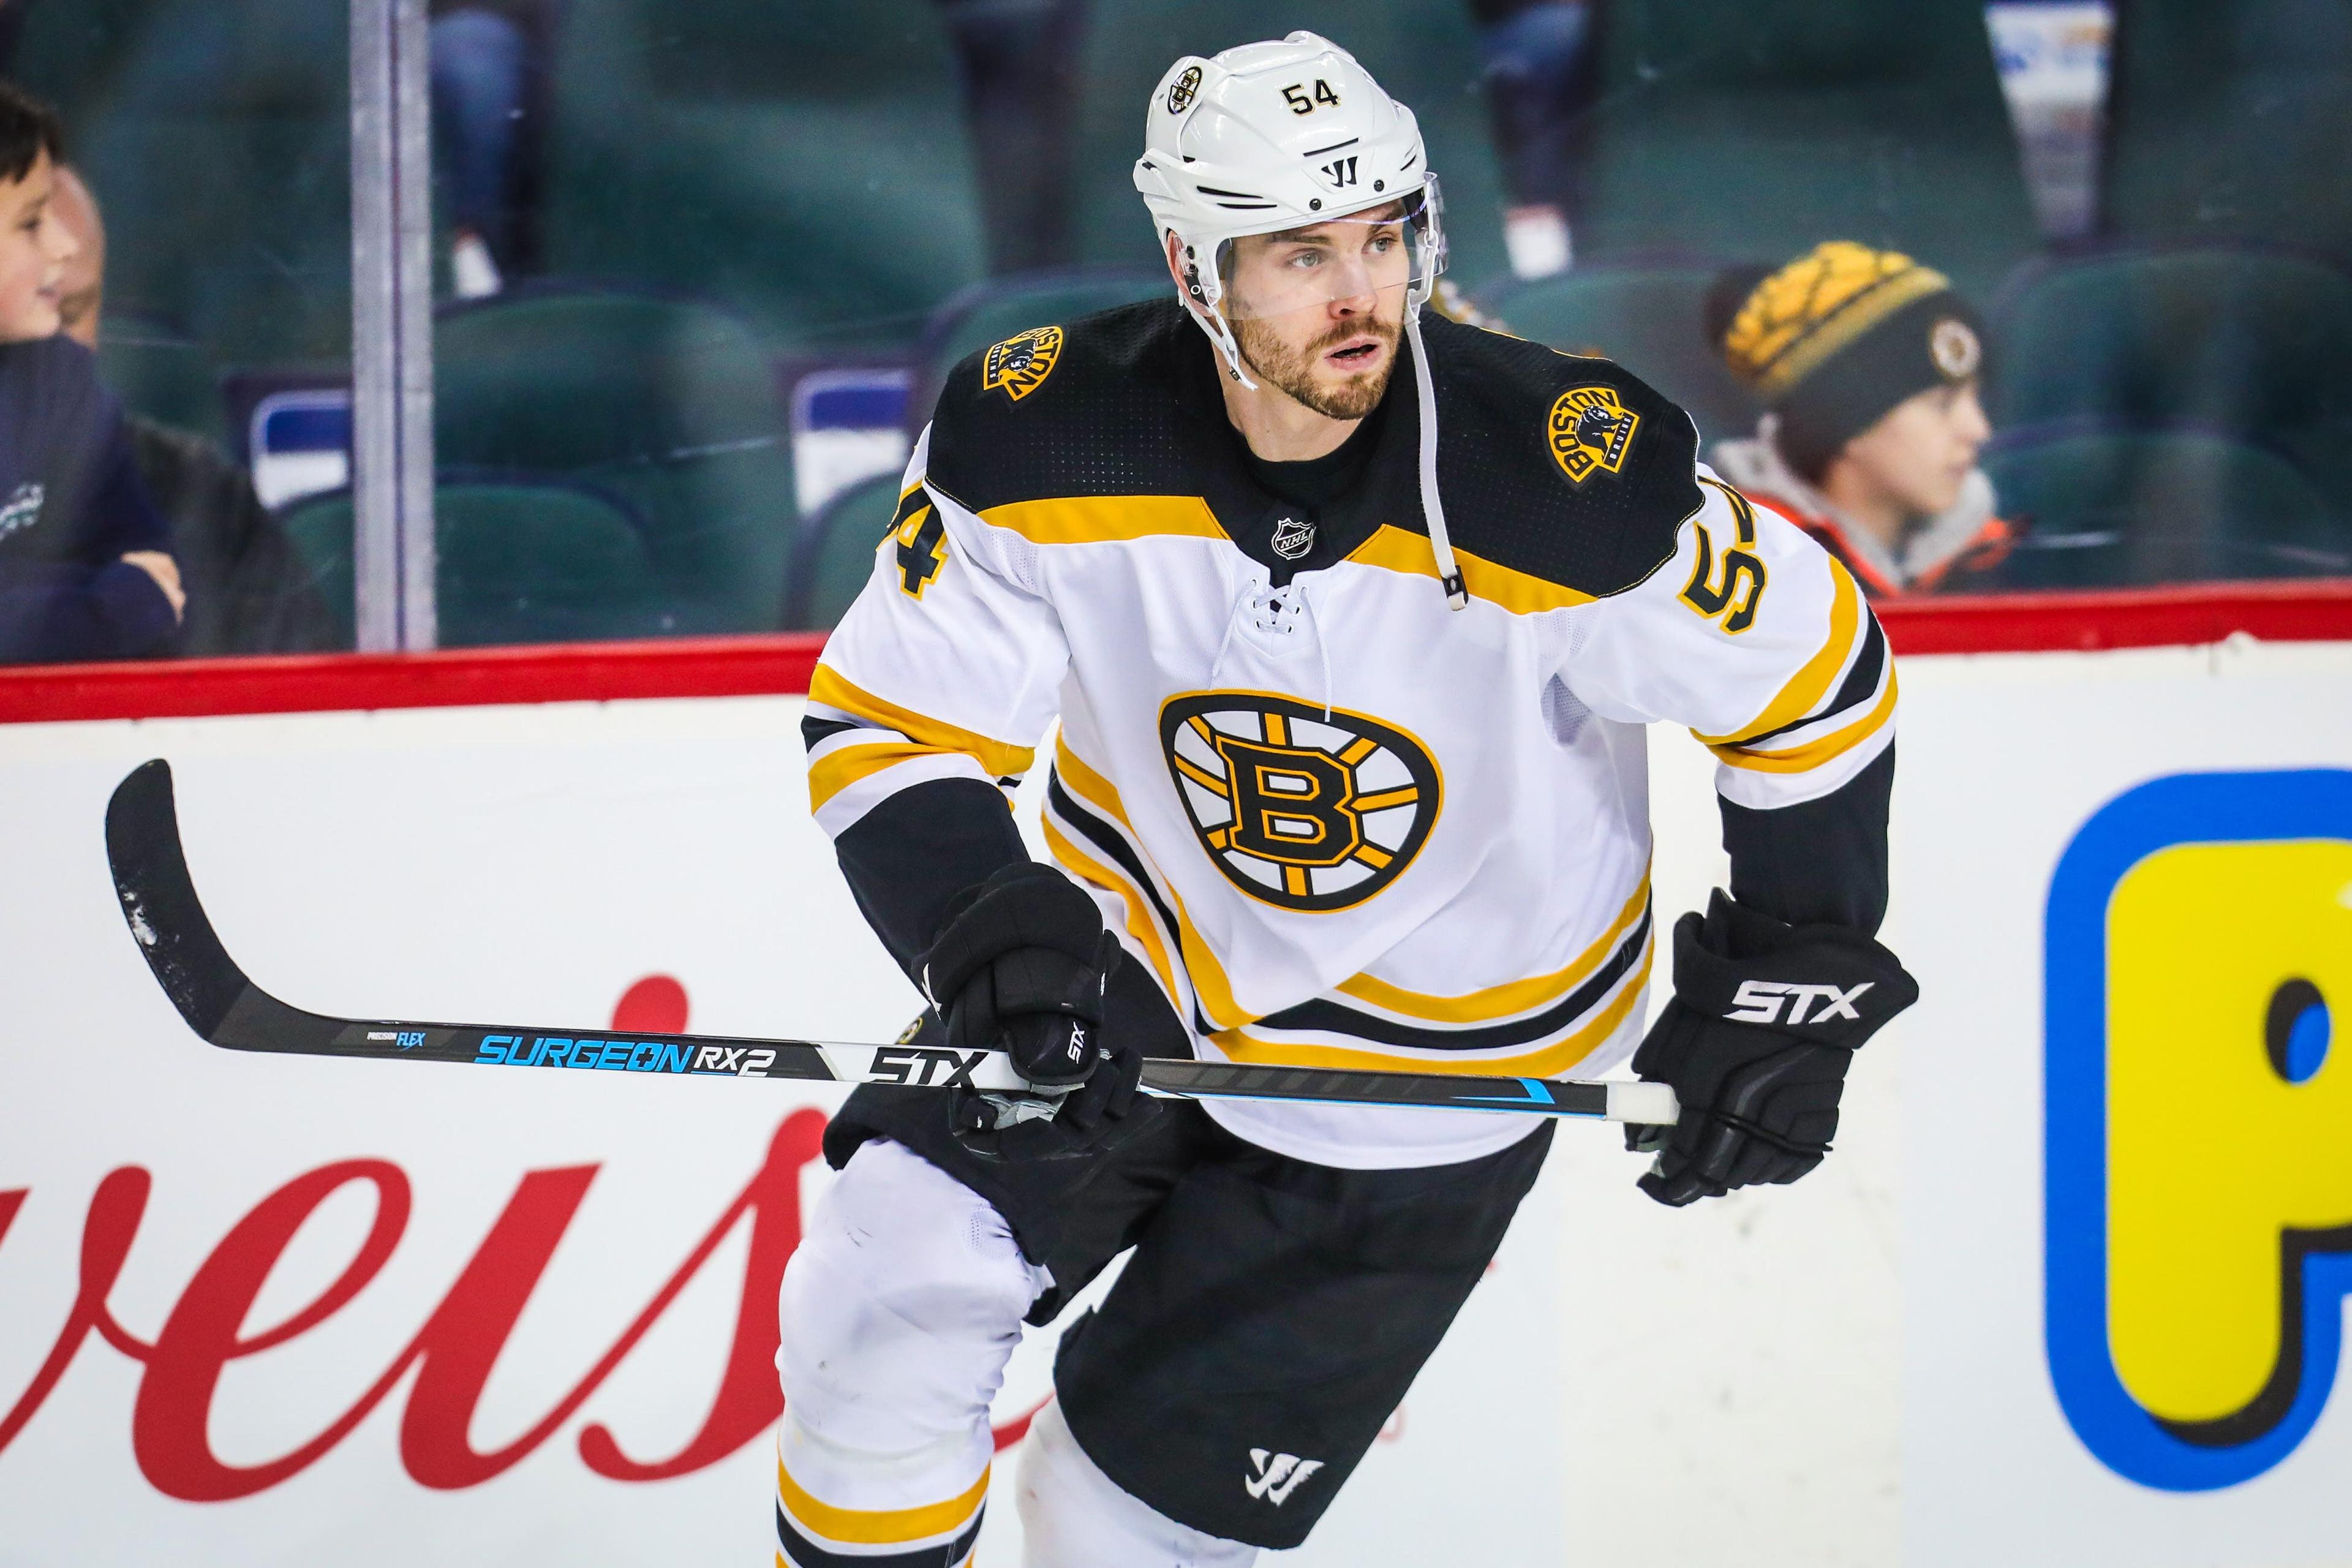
(391, 325)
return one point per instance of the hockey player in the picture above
(1352, 618)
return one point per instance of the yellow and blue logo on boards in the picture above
(2198, 1134)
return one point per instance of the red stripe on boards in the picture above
(2307, 611)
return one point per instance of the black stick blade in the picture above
(159, 900)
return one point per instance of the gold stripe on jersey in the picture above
(844, 765)
(876, 1527)
(1541, 1062)
(1395, 549)
(1138, 913)
(1091, 520)
(1210, 987)
(1811, 682)
(1814, 754)
(1511, 998)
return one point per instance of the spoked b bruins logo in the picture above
(1590, 432)
(1298, 810)
(1021, 365)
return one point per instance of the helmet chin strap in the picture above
(1213, 321)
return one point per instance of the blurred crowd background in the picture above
(700, 267)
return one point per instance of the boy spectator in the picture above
(249, 589)
(1538, 72)
(85, 564)
(1867, 364)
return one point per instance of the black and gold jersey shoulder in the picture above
(1566, 469)
(1097, 406)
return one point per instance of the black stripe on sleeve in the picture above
(814, 728)
(802, 1552)
(1820, 862)
(1860, 682)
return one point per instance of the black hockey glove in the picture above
(1764, 1022)
(1020, 967)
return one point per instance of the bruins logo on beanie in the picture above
(1834, 339)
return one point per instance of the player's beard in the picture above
(1293, 369)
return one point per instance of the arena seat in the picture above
(836, 554)
(161, 372)
(2231, 122)
(990, 312)
(521, 560)
(670, 403)
(804, 163)
(2105, 505)
(216, 134)
(1649, 319)
(2245, 340)
(1757, 131)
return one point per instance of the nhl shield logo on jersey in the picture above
(1020, 364)
(1297, 809)
(1590, 432)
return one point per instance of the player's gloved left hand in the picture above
(1764, 1021)
(1020, 966)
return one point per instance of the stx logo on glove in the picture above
(2200, 1172)
(1758, 1002)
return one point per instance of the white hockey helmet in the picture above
(1276, 136)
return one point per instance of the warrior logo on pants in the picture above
(1297, 809)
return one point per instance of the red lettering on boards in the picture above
(452, 1355)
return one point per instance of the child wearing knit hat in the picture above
(1867, 364)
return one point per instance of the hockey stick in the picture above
(223, 1006)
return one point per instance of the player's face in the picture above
(34, 250)
(1921, 450)
(1317, 311)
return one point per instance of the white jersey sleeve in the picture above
(949, 665)
(1756, 638)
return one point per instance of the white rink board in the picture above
(1850, 1371)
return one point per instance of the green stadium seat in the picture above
(1731, 128)
(2247, 339)
(519, 561)
(992, 312)
(836, 557)
(2104, 505)
(216, 134)
(159, 373)
(806, 163)
(670, 404)
(1648, 319)
(2231, 121)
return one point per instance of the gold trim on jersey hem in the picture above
(1394, 549)
(1814, 754)
(828, 687)
(1510, 998)
(878, 1527)
(1811, 682)
(1091, 520)
(1138, 913)
(1542, 1062)
(1210, 987)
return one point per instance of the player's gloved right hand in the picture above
(1764, 1021)
(1020, 966)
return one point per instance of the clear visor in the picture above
(1374, 262)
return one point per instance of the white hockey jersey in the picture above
(1343, 824)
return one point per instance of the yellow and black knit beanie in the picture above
(1837, 337)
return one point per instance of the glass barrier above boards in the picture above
(1986, 297)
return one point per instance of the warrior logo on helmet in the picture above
(1021, 365)
(1180, 91)
(1590, 432)
(1300, 807)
